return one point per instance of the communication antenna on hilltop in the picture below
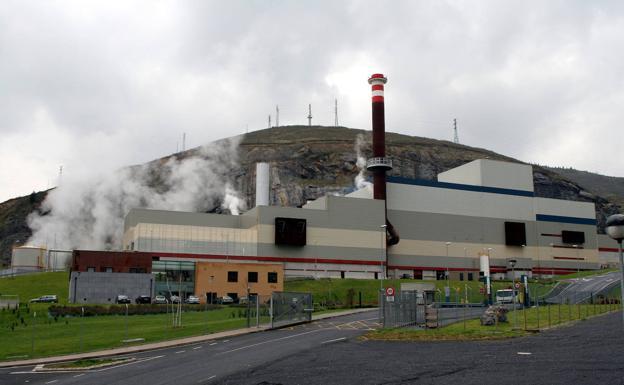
(456, 137)
(309, 115)
(183, 141)
(60, 175)
(276, 115)
(336, 112)
(269, 120)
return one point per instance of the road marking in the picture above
(226, 340)
(180, 351)
(269, 341)
(51, 382)
(524, 353)
(79, 375)
(334, 340)
(214, 343)
(206, 379)
(197, 347)
(129, 363)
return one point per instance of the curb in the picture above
(162, 344)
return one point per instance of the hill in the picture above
(309, 162)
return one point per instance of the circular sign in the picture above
(482, 290)
(517, 285)
(390, 291)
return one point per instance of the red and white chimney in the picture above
(378, 164)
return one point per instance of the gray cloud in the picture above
(98, 85)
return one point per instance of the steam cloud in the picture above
(360, 180)
(89, 212)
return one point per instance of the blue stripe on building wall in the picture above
(561, 219)
(458, 186)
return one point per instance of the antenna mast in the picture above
(183, 141)
(269, 120)
(456, 137)
(309, 115)
(336, 112)
(276, 115)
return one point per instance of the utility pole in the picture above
(456, 137)
(183, 141)
(269, 120)
(336, 112)
(277, 116)
(309, 115)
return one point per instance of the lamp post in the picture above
(615, 229)
(512, 263)
(447, 289)
(381, 290)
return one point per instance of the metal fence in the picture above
(412, 309)
(290, 308)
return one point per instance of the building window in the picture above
(232, 276)
(461, 276)
(108, 269)
(137, 270)
(470, 277)
(272, 277)
(91, 269)
(252, 276)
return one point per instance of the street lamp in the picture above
(447, 289)
(381, 262)
(512, 263)
(615, 229)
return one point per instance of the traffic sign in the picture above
(517, 285)
(481, 290)
(390, 291)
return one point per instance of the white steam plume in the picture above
(88, 212)
(360, 180)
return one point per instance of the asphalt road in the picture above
(588, 352)
(207, 362)
(328, 352)
(582, 289)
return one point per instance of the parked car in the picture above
(122, 299)
(225, 299)
(46, 298)
(143, 299)
(191, 299)
(174, 299)
(160, 300)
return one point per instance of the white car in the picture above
(191, 299)
(160, 299)
(225, 299)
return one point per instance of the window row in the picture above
(252, 277)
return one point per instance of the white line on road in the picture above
(214, 343)
(180, 351)
(206, 379)
(524, 353)
(334, 340)
(51, 382)
(129, 363)
(226, 340)
(266, 342)
(197, 347)
(79, 375)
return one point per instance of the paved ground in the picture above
(590, 352)
(329, 352)
(582, 289)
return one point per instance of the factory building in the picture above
(469, 222)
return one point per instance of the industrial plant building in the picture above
(484, 210)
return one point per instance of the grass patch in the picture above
(86, 363)
(35, 285)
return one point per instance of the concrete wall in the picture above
(491, 173)
(103, 288)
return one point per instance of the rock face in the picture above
(309, 162)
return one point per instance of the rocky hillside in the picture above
(309, 162)
(609, 187)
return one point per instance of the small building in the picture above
(216, 279)
(104, 261)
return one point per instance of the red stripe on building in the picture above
(551, 235)
(378, 99)
(609, 249)
(566, 247)
(268, 259)
(377, 87)
(438, 268)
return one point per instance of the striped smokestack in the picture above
(378, 164)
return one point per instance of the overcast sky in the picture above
(98, 85)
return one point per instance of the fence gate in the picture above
(290, 308)
(406, 308)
